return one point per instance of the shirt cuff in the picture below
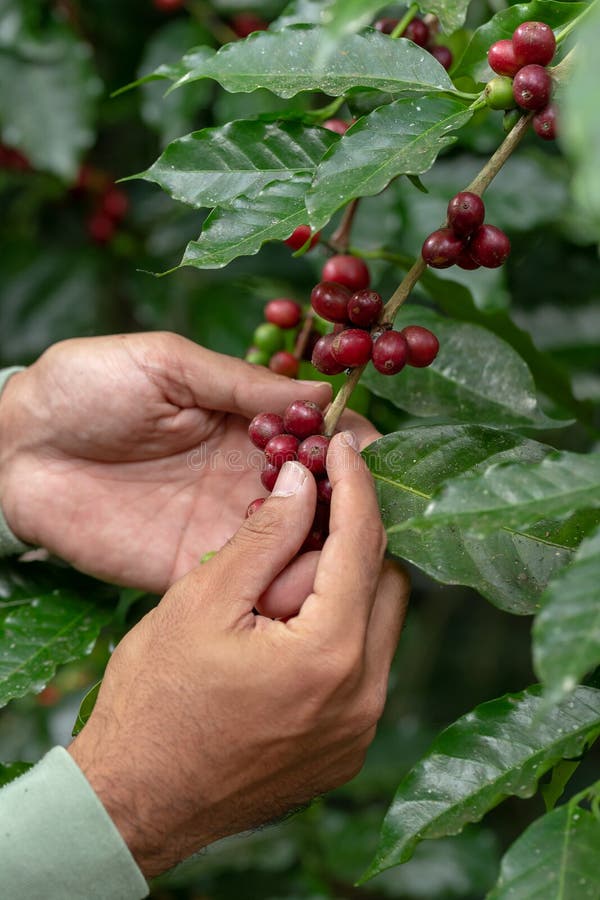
(58, 841)
(9, 544)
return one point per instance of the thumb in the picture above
(267, 541)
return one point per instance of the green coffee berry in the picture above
(499, 92)
(269, 338)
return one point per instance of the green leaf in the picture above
(10, 771)
(248, 223)
(476, 377)
(402, 138)
(86, 708)
(451, 13)
(284, 62)
(307, 12)
(215, 166)
(566, 634)
(509, 567)
(344, 17)
(516, 494)
(48, 616)
(501, 26)
(556, 858)
(173, 72)
(498, 750)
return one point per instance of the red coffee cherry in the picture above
(315, 539)
(299, 237)
(534, 43)
(417, 32)
(254, 507)
(303, 419)
(168, 6)
(350, 271)
(489, 246)
(281, 449)
(263, 427)
(324, 490)
(352, 348)
(364, 308)
(323, 359)
(443, 55)
(247, 23)
(312, 453)
(283, 312)
(501, 58)
(337, 125)
(385, 26)
(269, 476)
(311, 343)
(115, 204)
(101, 228)
(330, 301)
(532, 87)
(390, 353)
(284, 363)
(466, 261)
(422, 344)
(442, 248)
(466, 213)
(544, 123)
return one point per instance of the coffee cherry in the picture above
(501, 58)
(498, 93)
(263, 427)
(347, 270)
(442, 248)
(352, 348)
(254, 507)
(466, 213)
(257, 357)
(466, 261)
(337, 125)
(417, 32)
(268, 337)
(390, 353)
(269, 476)
(443, 55)
(324, 490)
(281, 449)
(323, 359)
(303, 419)
(284, 363)
(544, 123)
(312, 453)
(115, 204)
(315, 539)
(510, 119)
(247, 23)
(534, 43)
(168, 6)
(489, 247)
(364, 308)
(311, 343)
(385, 26)
(422, 345)
(330, 301)
(101, 228)
(532, 87)
(283, 312)
(299, 237)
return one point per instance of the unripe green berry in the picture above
(499, 92)
(269, 338)
(510, 119)
(257, 357)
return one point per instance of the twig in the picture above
(340, 241)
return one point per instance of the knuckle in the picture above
(263, 526)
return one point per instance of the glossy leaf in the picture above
(86, 708)
(498, 750)
(284, 62)
(307, 12)
(402, 138)
(566, 634)
(476, 377)
(174, 71)
(451, 13)
(248, 223)
(10, 771)
(509, 567)
(501, 26)
(516, 493)
(215, 166)
(47, 617)
(556, 858)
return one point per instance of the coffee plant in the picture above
(404, 200)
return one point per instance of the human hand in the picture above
(212, 720)
(95, 461)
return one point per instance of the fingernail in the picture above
(290, 480)
(350, 440)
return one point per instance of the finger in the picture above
(362, 428)
(285, 596)
(264, 545)
(234, 386)
(350, 563)
(387, 621)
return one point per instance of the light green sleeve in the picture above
(57, 842)
(9, 544)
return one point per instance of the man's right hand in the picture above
(212, 720)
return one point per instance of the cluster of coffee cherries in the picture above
(269, 339)
(419, 32)
(297, 435)
(466, 241)
(522, 78)
(107, 202)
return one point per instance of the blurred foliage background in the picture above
(65, 272)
